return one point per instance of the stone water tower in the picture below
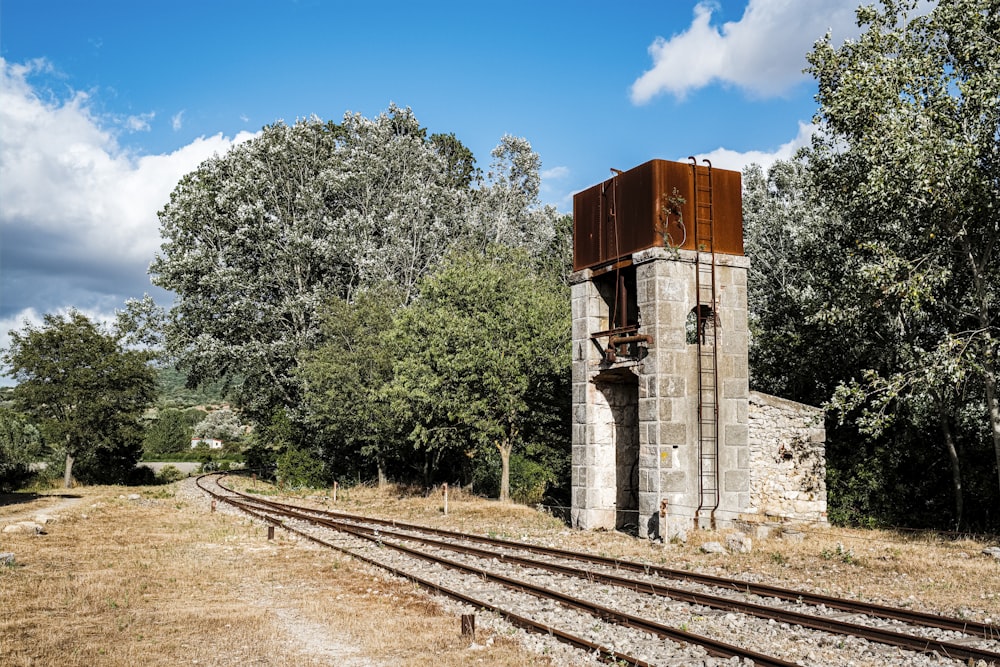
(660, 373)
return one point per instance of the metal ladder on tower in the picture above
(706, 321)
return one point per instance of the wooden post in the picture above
(270, 532)
(469, 625)
(213, 505)
(663, 521)
(444, 490)
(334, 492)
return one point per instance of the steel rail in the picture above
(515, 619)
(712, 646)
(880, 635)
(984, 630)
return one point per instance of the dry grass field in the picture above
(161, 580)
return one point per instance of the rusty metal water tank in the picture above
(656, 205)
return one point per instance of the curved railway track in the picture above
(516, 566)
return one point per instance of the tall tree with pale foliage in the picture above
(256, 240)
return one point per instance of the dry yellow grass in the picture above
(163, 581)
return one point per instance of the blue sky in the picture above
(105, 104)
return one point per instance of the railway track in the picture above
(628, 609)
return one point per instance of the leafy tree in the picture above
(174, 393)
(256, 240)
(299, 468)
(485, 357)
(20, 446)
(346, 380)
(797, 250)
(250, 251)
(84, 390)
(908, 153)
(505, 208)
(269, 440)
(400, 198)
(556, 259)
(169, 433)
(807, 306)
(222, 424)
(460, 164)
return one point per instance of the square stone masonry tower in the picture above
(660, 341)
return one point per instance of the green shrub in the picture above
(298, 468)
(169, 474)
(529, 480)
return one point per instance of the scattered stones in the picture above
(739, 543)
(6, 558)
(677, 530)
(992, 551)
(24, 528)
(757, 531)
(712, 548)
(793, 535)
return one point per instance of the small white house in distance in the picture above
(212, 443)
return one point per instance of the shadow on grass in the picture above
(28, 496)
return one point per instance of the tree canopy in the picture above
(85, 391)
(475, 368)
(909, 153)
(485, 357)
(347, 379)
(257, 240)
(20, 447)
(169, 433)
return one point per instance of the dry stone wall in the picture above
(787, 460)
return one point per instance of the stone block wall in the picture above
(625, 462)
(787, 460)
(636, 419)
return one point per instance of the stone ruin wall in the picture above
(787, 460)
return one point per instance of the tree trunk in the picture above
(382, 480)
(993, 405)
(505, 449)
(956, 473)
(68, 475)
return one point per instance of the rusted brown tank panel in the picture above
(654, 205)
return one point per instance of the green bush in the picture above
(298, 468)
(169, 474)
(529, 480)
(20, 447)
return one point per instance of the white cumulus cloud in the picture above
(140, 122)
(78, 213)
(763, 53)
(725, 158)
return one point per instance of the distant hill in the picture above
(174, 393)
